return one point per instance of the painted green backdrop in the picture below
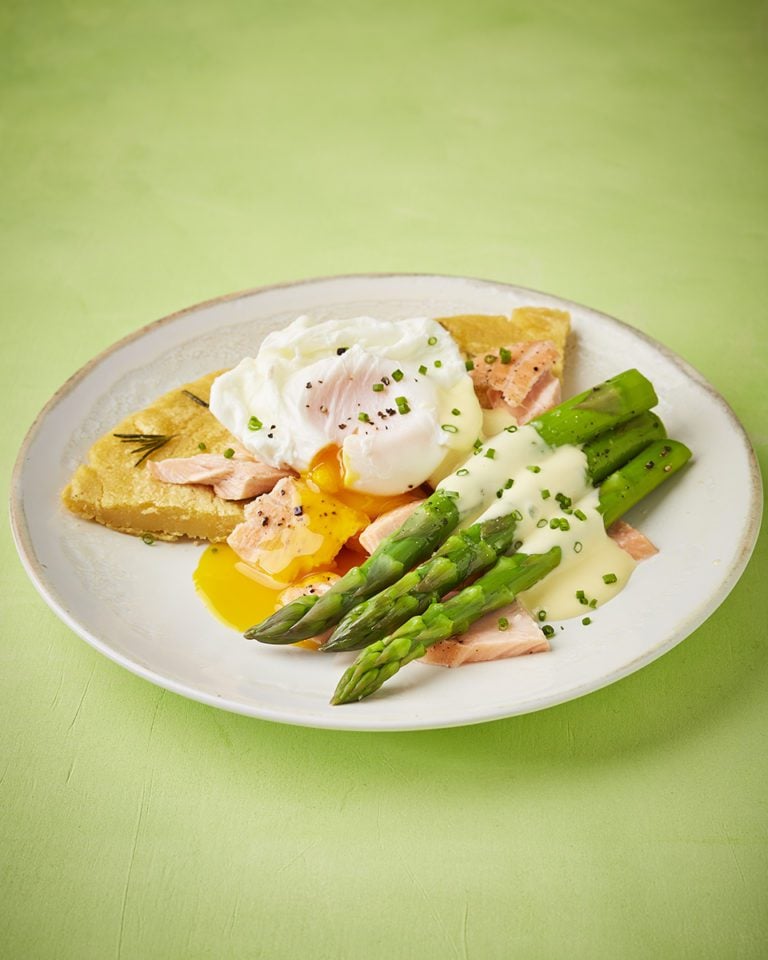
(154, 155)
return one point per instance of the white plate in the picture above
(138, 605)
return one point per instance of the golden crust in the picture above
(110, 489)
(480, 334)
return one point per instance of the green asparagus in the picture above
(461, 556)
(575, 421)
(501, 584)
(498, 587)
(475, 549)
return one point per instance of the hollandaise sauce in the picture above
(554, 503)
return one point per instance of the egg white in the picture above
(310, 383)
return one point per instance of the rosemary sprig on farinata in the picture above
(193, 396)
(146, 443)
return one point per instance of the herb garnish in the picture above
(147, 443)
(192, 396)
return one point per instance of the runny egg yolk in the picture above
(226, 586)
(327, 471)
(242, 595)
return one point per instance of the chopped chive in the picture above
(554, 523)
(503, 623)
(586, 621)
(377, 387)
(469, 365)
(397, 375)
(593, 603)
(534, 468)
(449, 427)
(609, 578)
(505, 355)
(542, 522)
(499, 494)
(542, 614)
(402, 405)
(578, 546)
(511, 428)
(432, 341)
(516, 515)
(229, 453)
(201, 446)
(148, 539)
(463, 472)
(508, 485)
(363, 417)
(489, 358)
(564, 525)
(438, 363)
(548, 630)
(545, 494)
(564, 501)
(422, 369)
(582, 597)
(478, 445)
(255, 424)
(490, 453)
(579, 514)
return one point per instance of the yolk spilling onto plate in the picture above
(242, 594)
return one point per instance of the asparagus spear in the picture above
(475, 549)
(509, 576)
(461, 556)
(502, 583)
(575, 421)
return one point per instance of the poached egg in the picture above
(392, 397)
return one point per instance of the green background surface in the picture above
(154, 155)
